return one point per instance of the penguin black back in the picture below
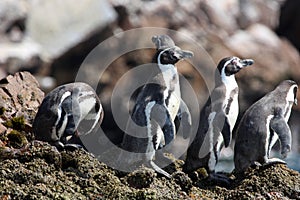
(263, 124)
(218, 115)
(156, 106)
(64, 111)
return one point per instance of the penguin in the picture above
(217, 118)
(67, 112)
(262, 125)
(158, 103)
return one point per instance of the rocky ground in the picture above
(266, 31)
(31, 169)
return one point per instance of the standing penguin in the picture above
(217, 118)
(66, 112)
(262, 125)
(158, 103)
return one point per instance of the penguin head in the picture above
(290, 88)
(167, 52)
(163, 41)
(232, 65)
(172, 55)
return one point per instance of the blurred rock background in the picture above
(51, 39)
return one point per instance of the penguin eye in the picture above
(236, 63)
(168, 58)
(231, 68)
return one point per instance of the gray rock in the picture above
(60, 25)
(11, 13)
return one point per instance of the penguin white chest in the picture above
(231, 104)
(233, 112)
(172, 94)
(173, 106)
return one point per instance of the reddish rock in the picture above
(20, 96)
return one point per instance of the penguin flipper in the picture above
(280, 126)
(184, 117)
(221, 124)
(161, 121)
(168, 129)
(226, 133)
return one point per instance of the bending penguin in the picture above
(217, 118)
(262, 125)
(67, 112)
(158, 103)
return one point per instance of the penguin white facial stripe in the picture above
(290, 99)
(229, 81)
(159, 56)
(290, 95)
(64, 96)
(235, 61)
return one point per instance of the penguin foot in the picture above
(58, 144)
(72, 147)
(219, 179)
(159, 170)
(69, 147)
(275, 161)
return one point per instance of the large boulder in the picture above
(58, 26)
(51, 37)
(20, 98)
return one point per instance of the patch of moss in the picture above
(2, 111)
(141, 178)
(17, 139)
(183, 180)
(69, 161)
(16, 123)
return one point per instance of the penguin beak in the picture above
(246, 62)
(182, 54)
